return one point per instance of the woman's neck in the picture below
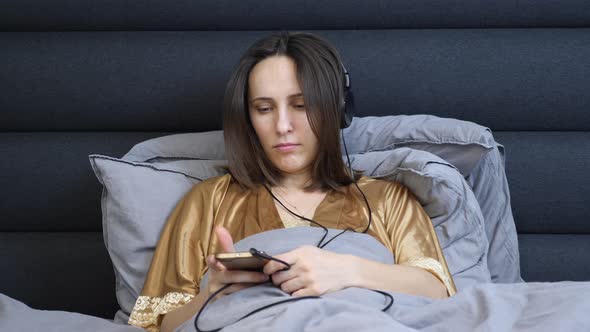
(295, 182)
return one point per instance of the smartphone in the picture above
(241, 261)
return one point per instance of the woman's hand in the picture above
(313, 271)
(219, 275)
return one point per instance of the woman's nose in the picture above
(284, 120)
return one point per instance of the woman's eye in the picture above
(267, 109)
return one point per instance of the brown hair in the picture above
(320, 75)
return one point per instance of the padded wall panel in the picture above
(549, 179)
(58, 271)
(47, 181)
(506, 79)
(292, 14)
(553, 257)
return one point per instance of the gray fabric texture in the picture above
(205, 145)
(560, 306)
(17, 316)
(136, 201)
(138, 197)
(468, 146)
(447, 199)
(490, 186)
(462, 143)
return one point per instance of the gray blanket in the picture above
(16, 316)
(559, 306)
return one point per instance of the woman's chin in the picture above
(291, 169)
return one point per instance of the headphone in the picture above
(347, 107)
(346, 114)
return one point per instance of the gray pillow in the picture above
(136, 201)
(462, 143)
(478, 157)
(447, 199)
(206, 145)
(490, 186)
(468, 146)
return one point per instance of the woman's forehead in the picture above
(272, 78)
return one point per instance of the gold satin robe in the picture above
(398, 221)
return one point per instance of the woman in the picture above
(281, 119)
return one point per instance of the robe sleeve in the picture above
(179, 260)
(413, 237)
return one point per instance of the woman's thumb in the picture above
(214, 264)
(225, 241)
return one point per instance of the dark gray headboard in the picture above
(83, 77)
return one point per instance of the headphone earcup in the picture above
(347, 110)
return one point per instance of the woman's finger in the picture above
(301, 292)
(292, 285)
(210, 260)
(271, 267)
(214, 264)
(282, 276)
(219, 266)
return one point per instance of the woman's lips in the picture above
(286, 148)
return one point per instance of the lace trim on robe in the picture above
(147, 309)
(290, 220)
(433, 266)
(295, 222)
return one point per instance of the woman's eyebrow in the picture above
(268, 98)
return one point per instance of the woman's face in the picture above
(278, 115)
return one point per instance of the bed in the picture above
(84, 79)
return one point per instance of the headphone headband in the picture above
(346, 78)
